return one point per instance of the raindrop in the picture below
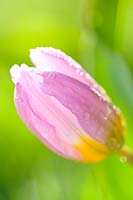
(81, 73)
(106, 117)
(34, 110)
(77, 70)
(87, 76)
(123, 159)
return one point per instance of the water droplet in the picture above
(34, 110)
(100, 98)
(123, 159)
(77, 70)
(106, 117)
(81, 73)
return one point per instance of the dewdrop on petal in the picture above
(65, 107)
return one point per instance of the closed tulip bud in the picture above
(64, 107)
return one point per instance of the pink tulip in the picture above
(64, 107)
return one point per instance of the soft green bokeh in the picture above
(98, 34)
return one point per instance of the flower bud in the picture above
(64, 107)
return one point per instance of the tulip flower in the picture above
(65, 107)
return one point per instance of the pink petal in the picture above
(50, 59)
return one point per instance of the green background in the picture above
(99, 35)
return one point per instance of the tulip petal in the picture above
(50, 59)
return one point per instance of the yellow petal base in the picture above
(91, 150)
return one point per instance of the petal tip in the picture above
(37, 58)
(45, 58)
(16, 70)
(15, 73)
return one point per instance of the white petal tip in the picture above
(36, 55)
(16, 70)
(15, 73)
(42, 58)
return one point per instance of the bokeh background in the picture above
(99, 35)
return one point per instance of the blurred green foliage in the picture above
(98, 34)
